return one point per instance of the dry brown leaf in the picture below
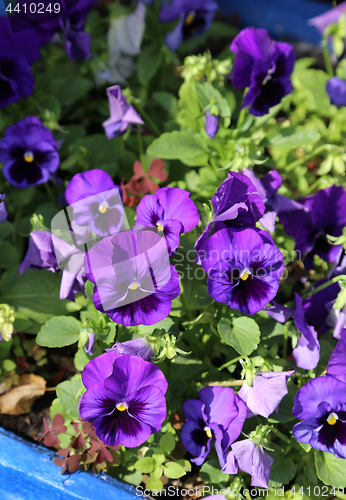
(20, 398)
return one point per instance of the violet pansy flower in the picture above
(236, 204)
(244, 268)
(195, 17)
(320, 404)
(96, 202)
(134, 281)
(264, 67)
(89, 346)
(251, 458)
(218, 414)
(307, 351)
(170, 211)
(336, 89)
(267, 390)
(122, 113)
(77, 41)
(135, 347)
(212, 123)
(3, 209)
(28, 153)
(337, 363)
(125, 398)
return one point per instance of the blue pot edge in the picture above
(33, 463)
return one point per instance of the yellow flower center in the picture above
(190, 18)
(159, 228)
(207, 431)
(332, 419)
(103, 208)
(121, 407)
(134, 286)
(244, 276)
(29, 157)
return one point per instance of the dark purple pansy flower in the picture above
(267, 187)
(321, 405)
(28, 153)
(337, 363)
(195, 17)
(89, 346)
(244, 268)
(46, 251)
(212, 123)
(251, 458)
(307, 351)
(218, 414)
(237, 204)
(122, 113)
(170, 211)
(134, 281)
(77, 41)
(320, 215)
(336, 89)
(264, 67)
(3, 210)
(124, 398)
(265, 393)
(96, 202)
(135, 347)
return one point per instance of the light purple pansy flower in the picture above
(307, 351)
(266, 392)
(251, 458)
(134, 281)
(218, 414)
(135, 347)
(122, 113)
(96, 202)
(125, 398)
(332, 16)
(195, 17)
(264, 67)
(212, 123)
(336, 89)
(337, 363)
(236, 204)
(171, 212)
(321, 405)
(3, 209)
(89, 346)
(244, 268)
(28, 152)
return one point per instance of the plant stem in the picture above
(226, 383)
(147, 119)
(279, 434)
(300, 161)
(326, 55)
(241, 118)
(230, 362)
(330, 282)
(285, 343)
(140, 147)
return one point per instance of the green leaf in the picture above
(243, 334)
(68, 90)
(149, 61)
(6, 228)
(186, 146)
(173, 470)
(210, 471)
(206, 93)
(282, 471)
(167, 442)
(330, 469)
(167, 101)
(69, 393)
(291, 137)
(313, 84)
(101, 151)
(154, 486)
(8, 365)
(89, 290)
(189, 107)
(59, 331)
(145, 465)
(8, 256)
(156, 473)
(81, 359)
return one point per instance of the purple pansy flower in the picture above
(321, 405)
(125, 398)
(336, 89)
(47, 251)
(337, 363)
(244, 268)
(307, 351)
(170, 211)
(96, 202)
(265, 393)
(3, 209)
(77, 41)
(28, 153)
(332, 16)
(218, 414)
(89, 346)
(212, 123)
(237, 204)
(195, 17)
(264, 66)
(267, 187)
(251, 458)
(134, 281)
(135, 347)
(320, 215)
(122, 113)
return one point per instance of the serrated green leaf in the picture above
(210, 471)
(167, 442)
(173, 470)
(186, 146)
(330, 469)
(291, 137)
(59, 331)
(145, 465)
(243, 334)
(69, 393)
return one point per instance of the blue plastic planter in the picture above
(282, 18)
(27, 472)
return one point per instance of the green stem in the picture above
(300, 161)
(330, 282)
(230, 362)
(285, 343)
(279, 434)
(140, 147)
(241, 118)
(147, 119)
(326, 55)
